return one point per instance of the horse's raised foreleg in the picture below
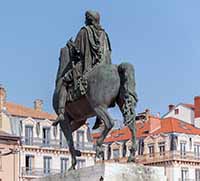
(109, 123)
(67, 130)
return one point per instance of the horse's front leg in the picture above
(67, 130)
(109, 123)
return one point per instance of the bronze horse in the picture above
(107, 84)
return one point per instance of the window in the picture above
(29, 135)
(47, 165)
(124, 150)
(80, 164)
(184, 174)
(176, 111)
(115, 153)
(190, 140)
(197, 174)
(46, 136)
(151, 150)
(197, 151)
(183, 149)
(63, 164)
(29, 159)
(80, 139)
(162, 148)
(141, 147)
(109, 152)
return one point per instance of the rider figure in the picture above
(93, 46)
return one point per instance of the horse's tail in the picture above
(127, 97)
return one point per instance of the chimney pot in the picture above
(2, 97)
(38, 105)
(171, 107)
(147, 111)
(147, 114)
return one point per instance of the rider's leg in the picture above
(61, 105)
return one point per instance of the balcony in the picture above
(37, 172)
(39, 142)
(167, 156)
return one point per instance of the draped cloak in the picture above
(94, 46)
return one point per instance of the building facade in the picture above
(167, 142)
(43, 149)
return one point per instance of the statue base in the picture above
(112, 172)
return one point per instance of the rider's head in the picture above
(92, 18)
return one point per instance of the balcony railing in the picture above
(167, 156)
(37, 172)
(86, 146)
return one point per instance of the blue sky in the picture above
(160, 38)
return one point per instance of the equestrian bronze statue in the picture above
(87, 84)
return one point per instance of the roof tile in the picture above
(168, 125)
(22, 111)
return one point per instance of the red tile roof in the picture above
(22, 111)
(168, 125)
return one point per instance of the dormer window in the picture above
(28, 135)
(46, 136)
(176, 111)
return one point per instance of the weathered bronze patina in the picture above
(87, 84)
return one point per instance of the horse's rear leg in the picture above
(133, 149)
(67, 130)
(109, 123)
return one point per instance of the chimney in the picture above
(38, 105)
(147, 114)
(197, 107)
(171, 107)
(2, 97)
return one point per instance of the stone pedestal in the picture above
(112, 172)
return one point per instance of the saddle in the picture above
(76, 89)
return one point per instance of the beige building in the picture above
(43, 149)
(9, 157)
(167, 142)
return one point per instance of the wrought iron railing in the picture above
(85, 146)
(168, 155)
(38, 172)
